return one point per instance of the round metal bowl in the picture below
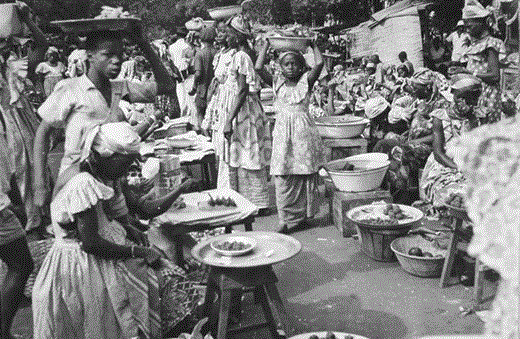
(367, 175)
(341, 127)
(428, 267)
(221, 13)
(290, 43)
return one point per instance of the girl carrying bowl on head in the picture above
(297, 152)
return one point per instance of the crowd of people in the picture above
(114, 89)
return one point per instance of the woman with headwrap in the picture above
(94, 283)
(51, 71)
(441, 177)
(409, 151)
(241, 137)
(484, 56)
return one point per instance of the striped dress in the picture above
(79, 295)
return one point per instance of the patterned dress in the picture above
(490, 159)
(79, 295)
(297, 153)
(439, 181)
(245, 153)
(489, 101)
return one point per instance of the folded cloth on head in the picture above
(375, 106)
(107, 139)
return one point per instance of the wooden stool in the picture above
(458, 217)
(359, 144)
(260, 280)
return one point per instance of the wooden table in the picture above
(173, 225)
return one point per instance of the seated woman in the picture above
(94, 282)
(441, 176)
(410, 150)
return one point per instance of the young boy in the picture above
(78, 104)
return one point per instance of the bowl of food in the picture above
(341, 127)
(290, 43)
(233, 246)
(357, 174)
(379, 223)
(419, 256)
(221, 13)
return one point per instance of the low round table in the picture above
(252, 272)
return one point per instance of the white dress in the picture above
(78, 295)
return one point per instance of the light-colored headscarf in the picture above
(110, 138)
(375, 106)
(473, 9)
(240, 23)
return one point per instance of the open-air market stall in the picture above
(388, 32)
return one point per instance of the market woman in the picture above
(441, 176)
(51, 71)
(242, 121)
(484, 56)
(94, 283)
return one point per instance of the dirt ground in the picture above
(332, 285)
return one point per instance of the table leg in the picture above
(264, 301)
(478, 289)
(284, 321)
(223, 316)
(452, 251)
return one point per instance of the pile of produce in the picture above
(218, 201)
(331, 335)
(113, 13)
(232, 246)
(418, 252)
(395, 212)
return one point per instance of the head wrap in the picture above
(370, 65)
(423, 76)
(297, 54)
(473, 9)
(465, 82)
(194, 24)
(52, 49)
(460, 23)
(240, 24)
(110, 138)
(375, 106)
